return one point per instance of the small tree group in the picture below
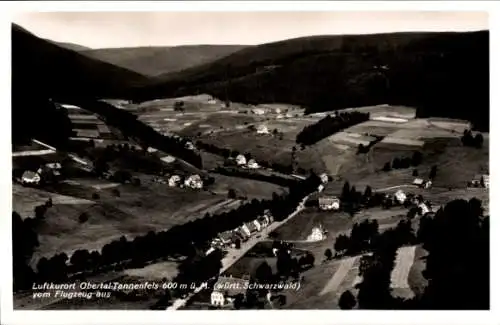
(404, 162)
(472, 141)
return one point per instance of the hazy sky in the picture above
(123, 29)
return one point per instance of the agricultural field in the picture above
(324, 284)
(245, 187)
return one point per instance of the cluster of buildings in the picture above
(193, 181)
(241, 161)
(45, 173)
(243, 232)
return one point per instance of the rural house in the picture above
(262, 129)
(194, 181)
(317, 234)
(241, 160)
(424, 209)
(263, 221)
(226, 289)
(252, 164)
(257, 224)
(421, 183)
(329, 203)
(241, 233)
(30, 178)
(400, 196)
(324, 178)
(258, 111)
(226, 237)
(174, 180)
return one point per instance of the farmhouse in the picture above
(258, 111)
(324, 178)
(424, 209)
(400, 196)
(252, 164)
(226, 289)
(262, 129)
(168, 159)
(240, 232)
(421, 183)
(30, 178)
(226, 237)
(194, 181)
(252, 228)
(257, 224)
(329, 203)
(317, 234)
(241, 160)
(174, 180)
(263, 221)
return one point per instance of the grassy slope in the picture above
(442, 73)
(158, 60)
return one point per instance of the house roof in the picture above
(226, 235)
(327, 199)
(251, 226)
(31, 175)
(231, 286)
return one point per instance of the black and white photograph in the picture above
(250, 160)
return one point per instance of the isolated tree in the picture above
(231, 194)
(347, 300)
(346, 192)
(433, 172)
(328, 254)
(341, 243)
(84, 217)
(416, 159)
(478, 140)
(263, 273)
(116, 192)
(368, 192)
(396, 163)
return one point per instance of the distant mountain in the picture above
(154, 61)
(72, 46)
(442, 74)
(42, 70)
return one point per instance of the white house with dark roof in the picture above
(226, 289)
(30, 178)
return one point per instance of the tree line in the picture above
(329, 125)
(404, 162)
